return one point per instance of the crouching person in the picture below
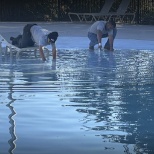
(99, 30)
(33, 33)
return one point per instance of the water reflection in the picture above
(18, 76)
(116, 97)
(36, 76)
(111, 91)
(101, 59)
(6, 78)
(12, 127)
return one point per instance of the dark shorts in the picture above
(26, 40)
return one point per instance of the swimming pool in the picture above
(84, 102)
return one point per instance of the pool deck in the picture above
(74, 35)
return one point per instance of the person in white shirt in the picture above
(35, 34)
(99, 30)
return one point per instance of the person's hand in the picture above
(99, 45)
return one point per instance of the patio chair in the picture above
(11, 49)
(122, 11)
(104, 11)
(79, 15)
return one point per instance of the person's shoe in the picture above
(14, 41)
(106, 48)
(91, 47)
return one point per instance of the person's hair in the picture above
(112, 22)
(53, 37)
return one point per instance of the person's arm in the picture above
(111, 42)
(99, 38)
(41, 53)
(54, 52)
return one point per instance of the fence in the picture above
(57, 10)
(144, 9)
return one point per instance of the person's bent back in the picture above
(35, 34)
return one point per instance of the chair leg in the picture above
(110, 17)
(70, 17)
(76, 15)
(94, 18)
(18, 54)
(121, 18)
(84, 17)
(133, 19)
(79, 18)
(0, 50)
(11, 54)
(35, 53)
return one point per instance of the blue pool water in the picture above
(82, 103)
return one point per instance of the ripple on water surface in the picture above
(84, 101)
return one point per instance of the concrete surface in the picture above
(74, 35)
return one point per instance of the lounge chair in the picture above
(11, 49)
(79, 15)
(122, 11)
(104, 11)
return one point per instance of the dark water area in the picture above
(82, 103)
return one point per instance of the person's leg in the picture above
(93, 40)
(26, 40)
(107, 44)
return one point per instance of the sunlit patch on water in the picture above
(83, 101)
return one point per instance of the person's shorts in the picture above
(27, 29)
